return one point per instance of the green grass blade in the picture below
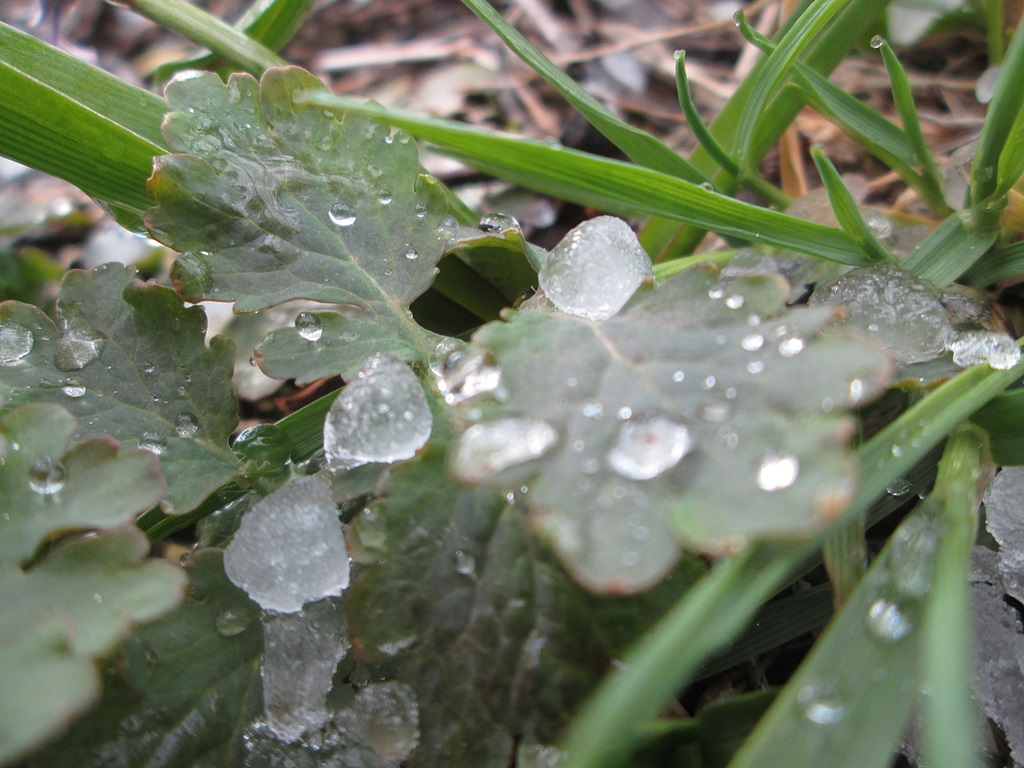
(1004, 264)
(201, 28)
(640, 146)
(72, 120)
(903, 98)
(951, 249)
(950, 717)
(614, 186)
(999, 135)
(845, 208)
(779, 64)
(1003, 422)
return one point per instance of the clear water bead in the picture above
(775, 472)
(342, 215)
(288, 549)
(486, 449)
(887, 622)
(77, 347)
(595, 269)
(464, 374)
(645, 448)
(380, 416)
(46, 476)
(308, 326)
(999, 350)
(15, 342)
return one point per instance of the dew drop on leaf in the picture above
(231, 622)
(308, 326)
(46, 476)
(186, 425)
(999, 350)
(791, 347)
(15, 342)
(77, 347)
(497, 223)
(464, 374)
(380, 416)
(385, 197)
(73, 388)
(887, 622)
(777, 472)
(465, 563)
(342, 215)
(821, 705)
(645, 448)
(486, 449)
(595, 269)
(411, 253)
(389, 717)
(153, 442)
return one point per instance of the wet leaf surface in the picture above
(130, 361)
(272, 200)
(704, 414)
(71, 607)
(494, 638)
(183, 689)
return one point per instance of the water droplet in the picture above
(595, 269)
(384, 196)
(73, 388)
(411, 253)
(231, 622)
(707, 186)
(646, 448)
(755, 367)
(463, 375)
(486, 449)
(899, 487)
(498, 223)
(776, 472)
(753, 342)
(15, 342)
(380, 416)
(716, 292)
(735, 301)
(678, 376)
(708, 383)
(821, 704)
(149, 368)
(46, 476)
(465, 563)
(856, 393)
(308, 325)
(999, 350)
(152, 442)
(186, 425)
(342, 214)
(877, 42)
(715, 411)
(792, 346)
(887, 622)
(77, 347)
(592, 409)
(389, 716)
(421, 210)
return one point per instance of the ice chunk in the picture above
(895, 307)
(15, 342)
(380, 416)
(595, 269)
(300, 652)
(463, 374)
(386, 717)
(486, 449)
(1004, 518)
(289, 548)
(973, 347)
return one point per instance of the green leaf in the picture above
(276, 200)
(130, 361)
(59, 616)
(72, 120)
(184, 687)
(640, 146)
(48, 487)
(950, 249)
(497, 642)
(682, 403)
(1003, 420)
(999, 154)
(845, 207)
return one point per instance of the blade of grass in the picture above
(950, 717)
(611, 185)
(1003, 421)
(755, 181)
(202, 28)
(72, 120)
(272, 23)
(949, 250)
(989, 172)
(1004, 264)
(640, 146)
(845, 208)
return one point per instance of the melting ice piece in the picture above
(644, 448)
(895, 307)
(15, 342)
(595, 269)
(1004, 518)
(486, 449)
(77, 347)
(289, 548)
(388, 717)
(380, 416)
(465, 374)
(300, 652)
(973, 347)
